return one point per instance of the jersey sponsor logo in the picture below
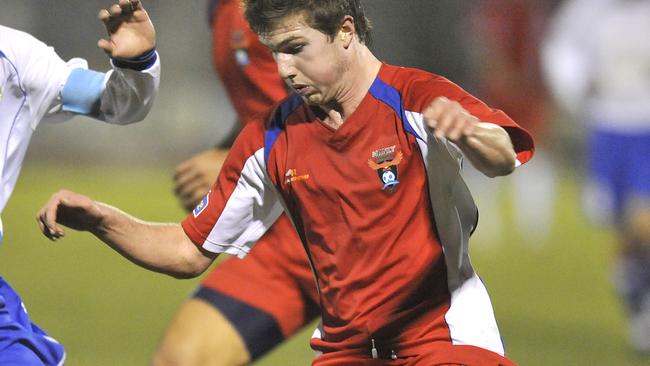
(385, 161)
(201, 206)
(292, 176)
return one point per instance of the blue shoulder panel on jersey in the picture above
(2, 54)
(82, 91)
(391, 97)
(276, 125)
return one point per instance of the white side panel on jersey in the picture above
(250, 211)
(470, 317)
(318, 334)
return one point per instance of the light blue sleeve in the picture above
(82, 92)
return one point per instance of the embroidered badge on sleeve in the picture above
(201, 206)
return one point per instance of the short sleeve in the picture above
(242, 204)
(425, 91)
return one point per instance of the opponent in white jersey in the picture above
(37, 85)
(597, 59)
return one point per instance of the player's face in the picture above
(310, 63)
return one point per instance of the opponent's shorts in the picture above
(21, 341)
(619, 170)
(270, 294)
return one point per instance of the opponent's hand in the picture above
(130, 31)
(447, 118)
(194, 177)
(70, 209)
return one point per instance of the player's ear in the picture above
(346, 31)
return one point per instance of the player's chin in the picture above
(314, 99)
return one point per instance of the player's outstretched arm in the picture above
(130, 31)
(486, 145)
(158, 247)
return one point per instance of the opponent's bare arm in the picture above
(158, 247)
(130, 31)
(486, 145)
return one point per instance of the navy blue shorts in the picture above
(267, 296)
(259, 330)
(21, 341)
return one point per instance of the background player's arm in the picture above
(194, 177)
(158, 247)
(486, 145)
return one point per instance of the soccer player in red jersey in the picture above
(505, 37)
(223, 322)
(365, 158)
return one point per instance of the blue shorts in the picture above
(619, 168)
(21, 341)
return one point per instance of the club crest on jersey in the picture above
(385, 162)
(201, 206)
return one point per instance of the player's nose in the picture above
(285, 66)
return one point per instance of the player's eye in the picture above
(294, 49)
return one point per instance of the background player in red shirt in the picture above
(504, 39)
(362, 158)
(224, 323)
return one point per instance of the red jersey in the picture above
(365, 199)
(510, 32)
(245, 66)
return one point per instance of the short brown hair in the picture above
(322, 15)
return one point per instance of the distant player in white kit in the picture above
(37, 85)
(597, 62)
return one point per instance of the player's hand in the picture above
(130, 31)
(194, 177)
(70, 209)
(447, 118)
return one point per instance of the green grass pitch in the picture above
(554, 304)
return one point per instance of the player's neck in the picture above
(361, 74)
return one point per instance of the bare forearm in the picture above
(490, 149)
(158, 247)
(486, 145)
